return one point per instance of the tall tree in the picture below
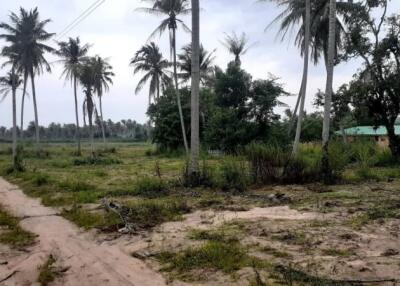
(87, 80)
(303, 89)
(195, 69)
(328, 92)
(237, 45)
(150, 61)
(293, 14)
(206, 64)
(72, 55)
(8, 84)
(27, 36)
(172, 9)
(102, 79)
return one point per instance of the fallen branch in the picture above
(9, 276)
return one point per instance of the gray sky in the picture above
(117, 31)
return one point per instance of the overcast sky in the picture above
(117, 31)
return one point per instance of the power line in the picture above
(82, 17)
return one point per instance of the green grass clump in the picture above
(150, 213)
(74, 185)
(96, 161)
(338, 252)
(12, 234)
(89, 220)
(212, 255)
(276, 253)
(47, 271)
(233, 175)
(151, 187)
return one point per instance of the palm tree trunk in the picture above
(101, 120)
(296, 143)
(23, 104)
(194, 139)
(328, 93)
(89, 104)
(35, 109)
(178, 95)
(78, 132)
(14, 131)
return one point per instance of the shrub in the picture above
(204, 178)
(233, 175)
(151, 187)
(364, 153)
(339, 157)
(298, 171)
(266, 162)
(40, 179)
(384, 158)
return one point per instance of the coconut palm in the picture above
(196, 75)
(328, 92)
(171, 9)
(87, 80)
(303, 90)
(72, 54)
(27, 36)
(237, 45)
(206, 64)
(102, 79)
(10, 83)
(150, 61)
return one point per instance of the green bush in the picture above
(40, 179)
(364, 153)
(298, 171)
(384, 158)
(233, 175)
(340, 155)
(151, 187)
(205, 177)
(266, 162)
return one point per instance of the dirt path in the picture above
(88, 263)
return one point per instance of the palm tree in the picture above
(72, 55)
(303, 90)
(172, 9)
(206, 64)
(319, 29)
(27, 36)
(328, 92)
(196, 75)
(87, 80)
(150, 61)
(10, 83)
(237, 45)
(102, 78)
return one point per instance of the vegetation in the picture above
(12, 234)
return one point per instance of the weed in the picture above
(74, 185)
(233, 175)
(96, 161)
(88, 220)
(12, 234)
(150, 187)
(276, 253)
(211, 255)
(338, 252)
(47, 272)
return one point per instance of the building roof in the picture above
(368, 131)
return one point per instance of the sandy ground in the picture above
(88, 263)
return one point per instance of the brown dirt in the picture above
(89, 263)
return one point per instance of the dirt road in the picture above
(88, 263)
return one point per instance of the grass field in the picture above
(152, 186)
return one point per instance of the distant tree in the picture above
(27, 37)
(206, 65)
(87, 79)
(8, 84)
(102, 79)
(72, 55)
(150, 61)
(237, 45)
(172, 9)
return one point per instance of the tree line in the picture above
(227, 105)
(122, 130)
